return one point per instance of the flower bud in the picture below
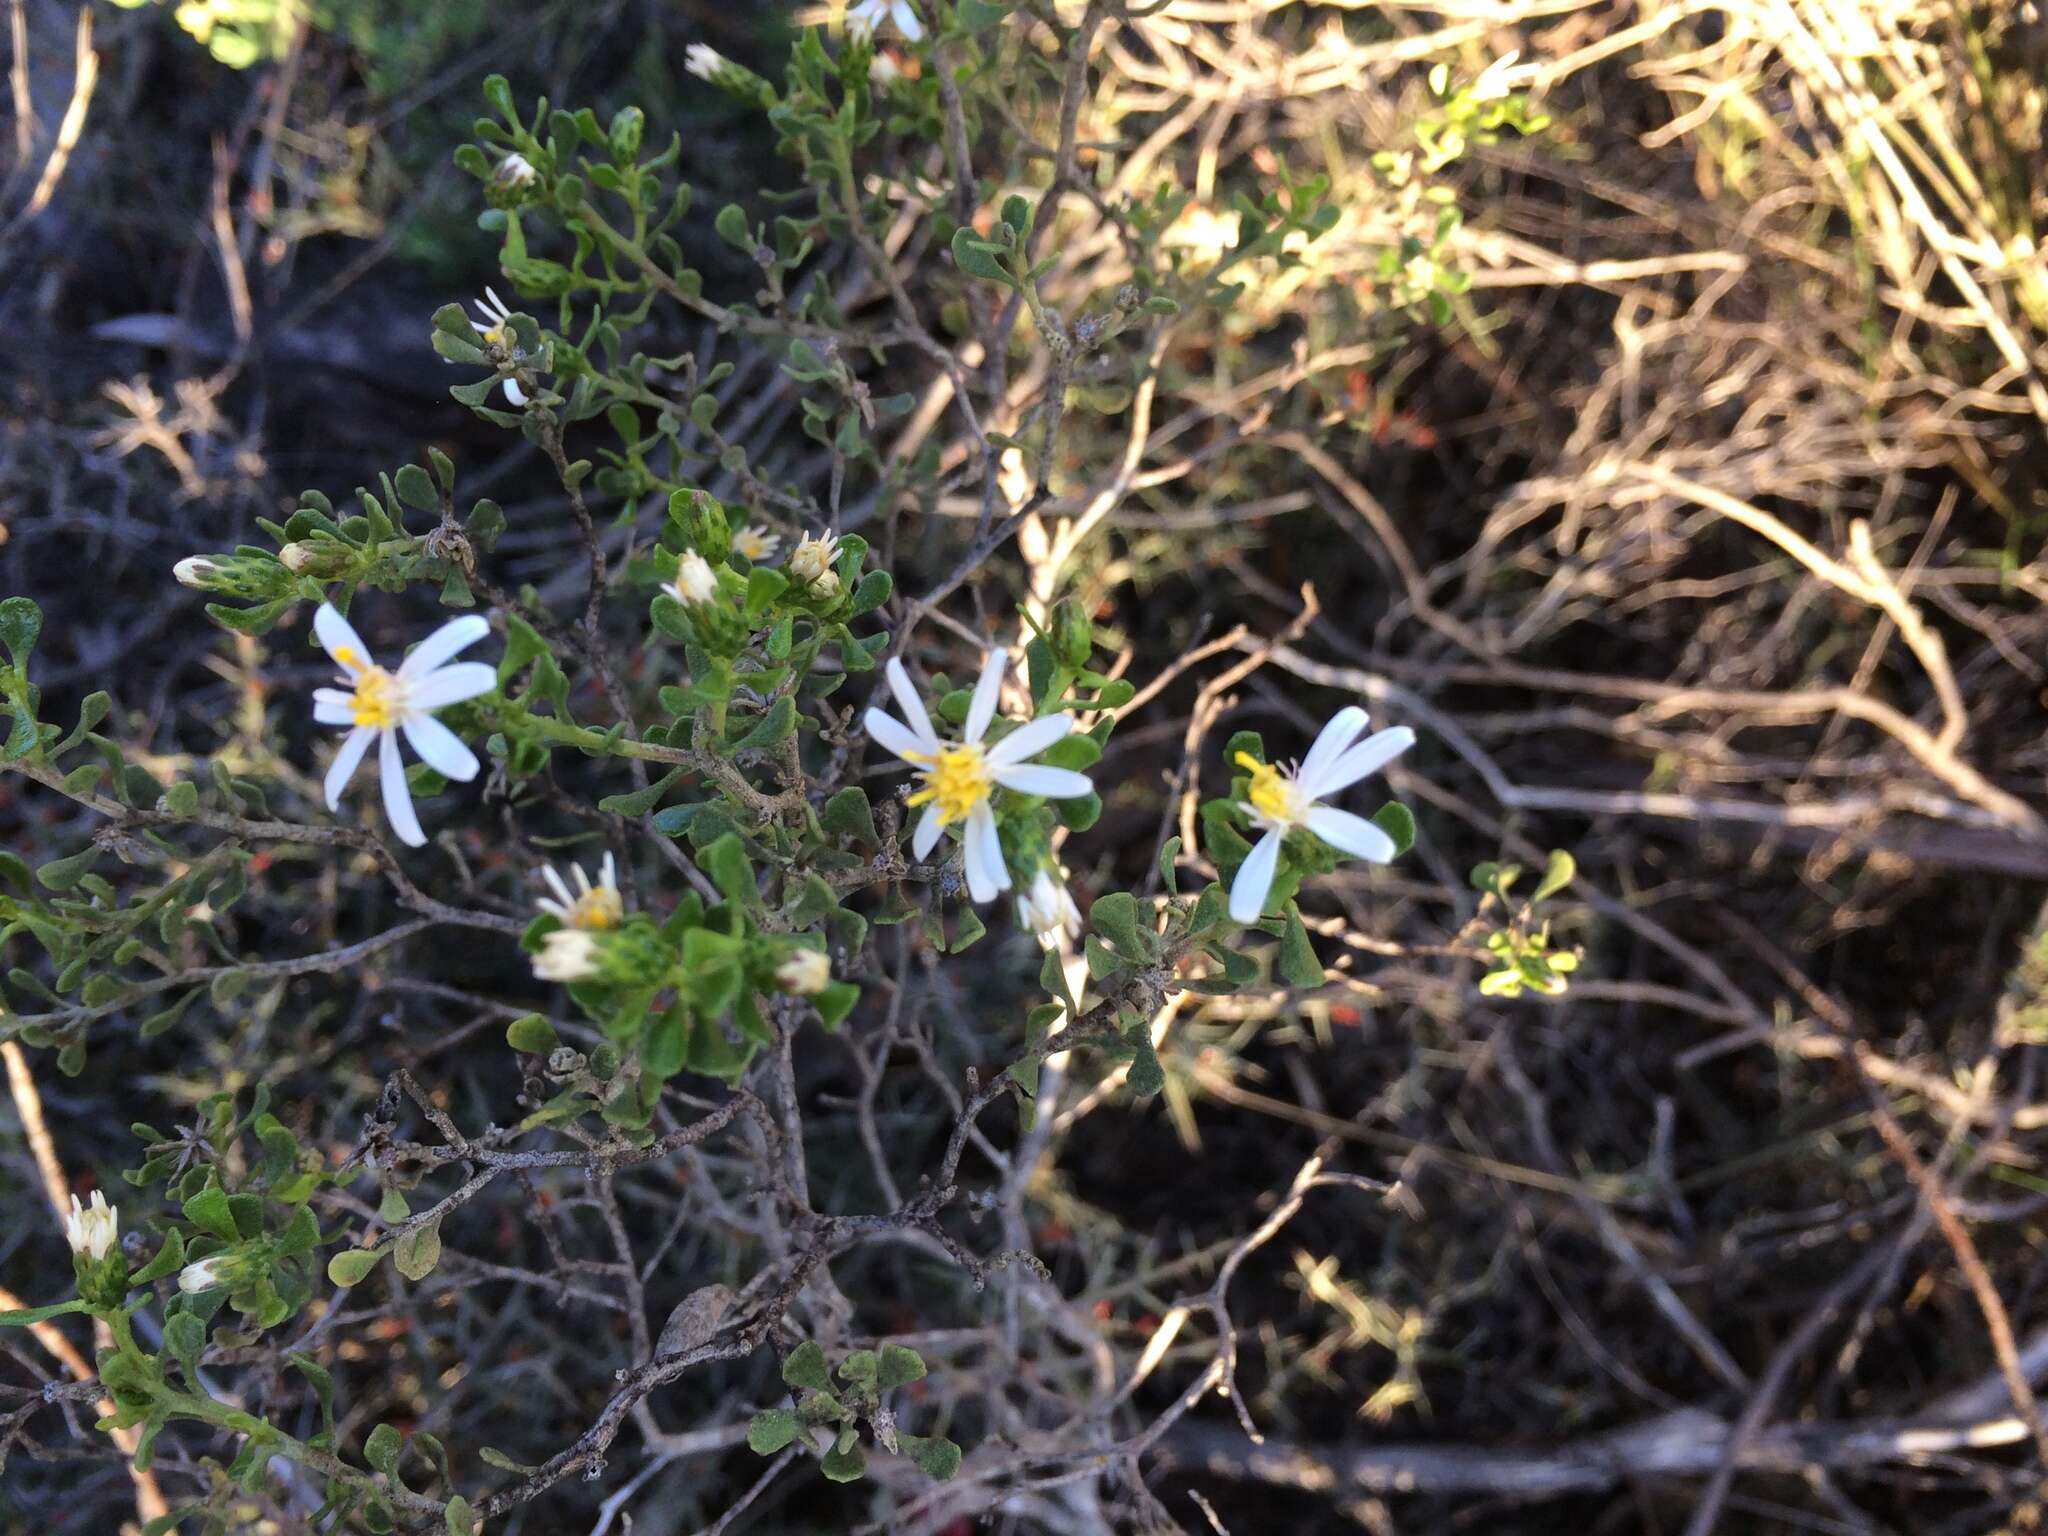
(628, 125)
(197, 572)
(695, 581)
(1047, 907)
(810, 565)
(205, 1275)
(702, 521)
(567, 954)
(91, 1229)
(806, 972)
(1073, 637)
(736, 80)
(318, 558)
(515, 171)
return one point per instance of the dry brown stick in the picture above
(86, 74)
(1997, 1321)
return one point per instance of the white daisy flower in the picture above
(756, 546)
(806, 972)
(91, 1229)
(567, 954)
(1280, 802)
(960, 777)
(869, 16)
(703, 61)
(379, 704)
(590, 906)
(515, 170)
(810, 563)
(695, 581)
(496, 330)
(1047, 908)
(495, 319)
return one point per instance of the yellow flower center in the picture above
(1272, 794)
(957, 781)
(376, 703)
(596, 910)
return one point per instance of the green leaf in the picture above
(1146, 1077)
(845, 1462)
(210, 1213)
(353, 1265)
(770, 1430)
(639, 802)
(977, 258)
(29, 1315)
(727, 863)
(1118, 918)
(835, 1002)
(805, 1367)
(1558, 873)
(415, 488)
(418, 1251)
(1398, 822)
(1299, 966)
(1169, 876)
(21, 621)
(899, 1367)
(381, 1450)
(532, 1034)
(733, 228)
(461, 1517)
(937, 1457)
(859, 1368)
(846, 814)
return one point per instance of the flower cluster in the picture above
(959, 778)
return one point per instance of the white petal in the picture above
(896, 736)
(452, 638)
(982, 855)
(344, 765)
(405, 820)
(908, 701)
(514, 395)
(1369, 756)
(441, 749)
(981, 828)
(451, 685)
(338, 636)
(554, 882)
(907, 21)
(1330, 743)
(926, 837)
(988, 689)
(1029, 740)
(1036, 779)
(1254, 880)
(1350, 834)
(334, 706)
